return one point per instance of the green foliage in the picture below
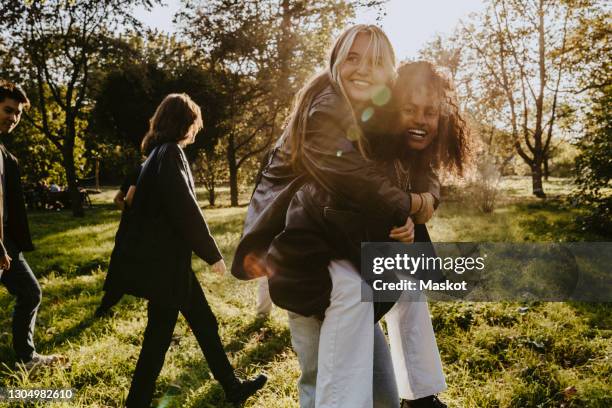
(563, 160)
(264, 51)
(594, 165)
(39, 158)
(129, 94)
(56, 47)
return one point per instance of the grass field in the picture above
(548, 355)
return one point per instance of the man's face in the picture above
(10, 114)
(419, 115)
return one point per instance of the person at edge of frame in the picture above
(17, 276)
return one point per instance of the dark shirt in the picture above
(5, 209)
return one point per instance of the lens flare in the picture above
(352, 133)
(254, 266)
(367, 114)
(382, 96)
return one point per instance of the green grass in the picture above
(494, 355)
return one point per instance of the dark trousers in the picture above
(21, 282)
(109, 300)
(157, 337)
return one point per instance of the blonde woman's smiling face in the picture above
(361, 74)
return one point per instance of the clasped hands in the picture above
(424, 212)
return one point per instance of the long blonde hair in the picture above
(382, 52)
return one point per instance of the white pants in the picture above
(264, 302)
(339, 355)
(414, 352)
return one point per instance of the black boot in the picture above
(431, 401)
(240, 391)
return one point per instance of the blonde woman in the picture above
(332, 330)
(152, 254)
(422, 133)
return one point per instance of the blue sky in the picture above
(408, 23)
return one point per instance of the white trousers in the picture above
(264, 302)
(345, 359)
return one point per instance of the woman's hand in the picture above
(404, 233)
(5, 262)
(426, 211)
(119, 200)
(219, 267)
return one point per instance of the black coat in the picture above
(18, 229)
(331, 160)
(320, 227)
(159, 232)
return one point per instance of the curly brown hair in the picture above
(449, 150)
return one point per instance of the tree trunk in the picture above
(546, 172)
(536, 179)
(233, 180)
(211, 196)
(233, 172)
(98, 174)
(73, 188)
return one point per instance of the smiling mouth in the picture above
(361, 84)
(417, 133)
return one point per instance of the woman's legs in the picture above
(346, 344)
(157, 337)
(264, 302)
(384, 385)
(305, 333)
(206, 330)
(415, 355)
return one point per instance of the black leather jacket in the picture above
(330, 159)
(319, 228)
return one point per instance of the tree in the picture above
(522, 47)
(129, 94)
(58, 44)
(590, 51)
(262, 51)
(479, 98)
(208, 169)
(445, 52)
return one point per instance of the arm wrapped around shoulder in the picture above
(335, 162)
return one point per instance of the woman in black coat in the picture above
(152, 254)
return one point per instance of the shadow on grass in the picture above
(46, 223)
(553, 220)
(271, 342)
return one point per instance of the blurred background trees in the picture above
(533, 78)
